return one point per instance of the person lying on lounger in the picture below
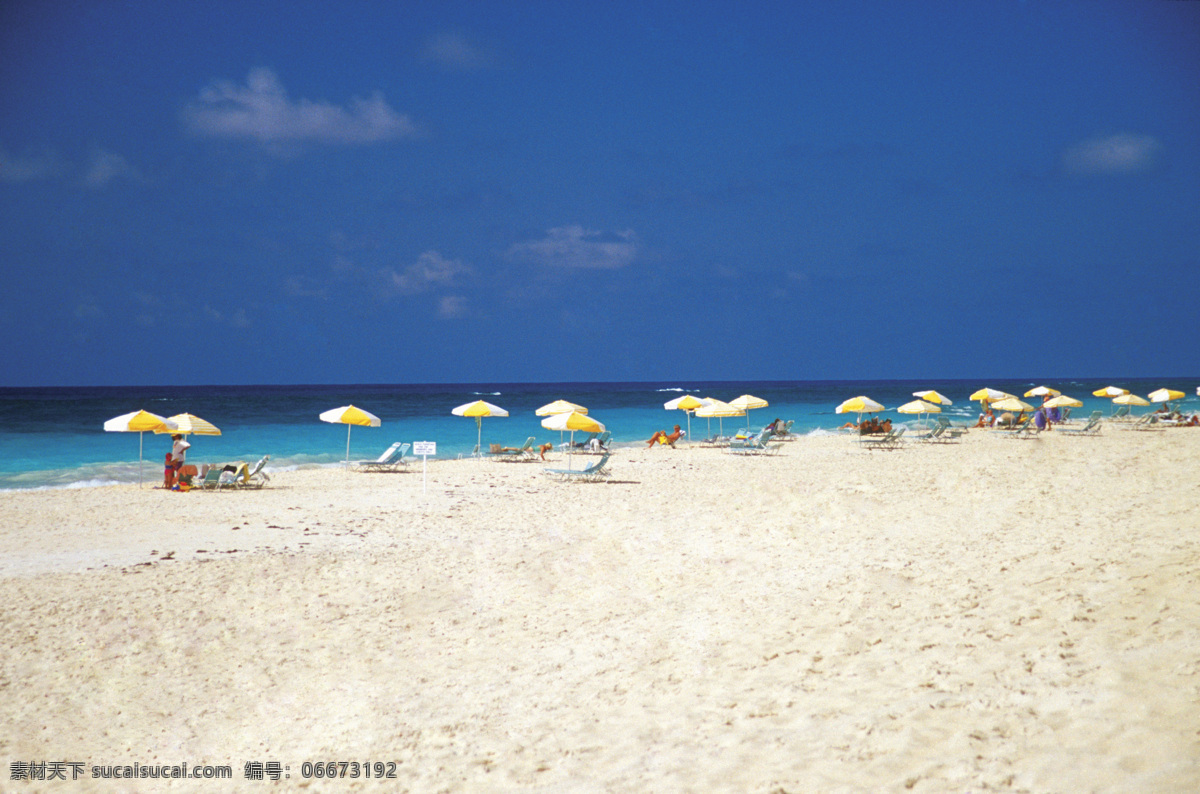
(661, 437)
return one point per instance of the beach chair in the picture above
(1148, 421)
(932, 434)
(595, 471)
(388, 461)
(256, 477)
(566, 446)
(212, 479)
(597, 445)
(1090, 429)
(889, 440)
(523, 452)
(757, 445)
(1120, 415)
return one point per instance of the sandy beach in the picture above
(989, 615)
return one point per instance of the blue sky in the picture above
(365, 192)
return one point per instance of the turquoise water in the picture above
(55, 437)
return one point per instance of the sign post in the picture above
(424, 449)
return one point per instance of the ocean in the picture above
(55, 437)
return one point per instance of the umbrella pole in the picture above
(479, 436)
(348, 428)
(141, 435)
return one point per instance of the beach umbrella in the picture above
(1042, 391)
(986, 395)
(687, 403)
(559, 407)
(859, 405)
(187, 423)
(1012, 404)
(919, 407)
(1165, 395)
(1063, 401)
(138, 422)
(572, 421)
(748, 402)
(350, 416)
(718, 409)
(933, 397)
(479, 409)
(1109, 391)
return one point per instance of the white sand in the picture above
(995, 614)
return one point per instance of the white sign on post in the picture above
(424, 449)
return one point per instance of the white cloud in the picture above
(454, 51)
(430, 270)
(576, 247)
(107, 166)
(30, 167)
(261, 110)
(1125, 153)
(452, 307)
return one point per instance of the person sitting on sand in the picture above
(986, 419)
(661, 437)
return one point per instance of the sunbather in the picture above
(544, 448)
(661, 437)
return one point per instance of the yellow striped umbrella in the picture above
(748, 402)
(687, 403)
(139, 422)
(188, 423)
(349, 416)
(479, 409)
(559, 407)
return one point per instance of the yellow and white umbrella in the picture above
(1063, 401)
(559, 407)
(1165, 395)
(748, 402)
(919, 407)
(933, 397)
(1011, 404)
(687, 403)
(572, 421)
(988, 395)
(859, 405)
(350, 416)
(186, 424)
(720, 410)
(139, 422)
(1110, 391)
(1042, 391)
(479, 409)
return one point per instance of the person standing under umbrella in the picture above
(178, 453)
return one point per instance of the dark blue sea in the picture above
(54, 437)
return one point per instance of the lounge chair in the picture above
(212, 479)
(1090, 429)
(256, 477)
(932, 434)
(889, 440)
(950, 434)
(595, 471)
(391, 459)
(597, 445)
(1148, 421)
(523, 452)
(1120, 415)
(757, 445)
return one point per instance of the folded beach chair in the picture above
(889, 440)
(596, 471)
(388, 461)
(1090, 429)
